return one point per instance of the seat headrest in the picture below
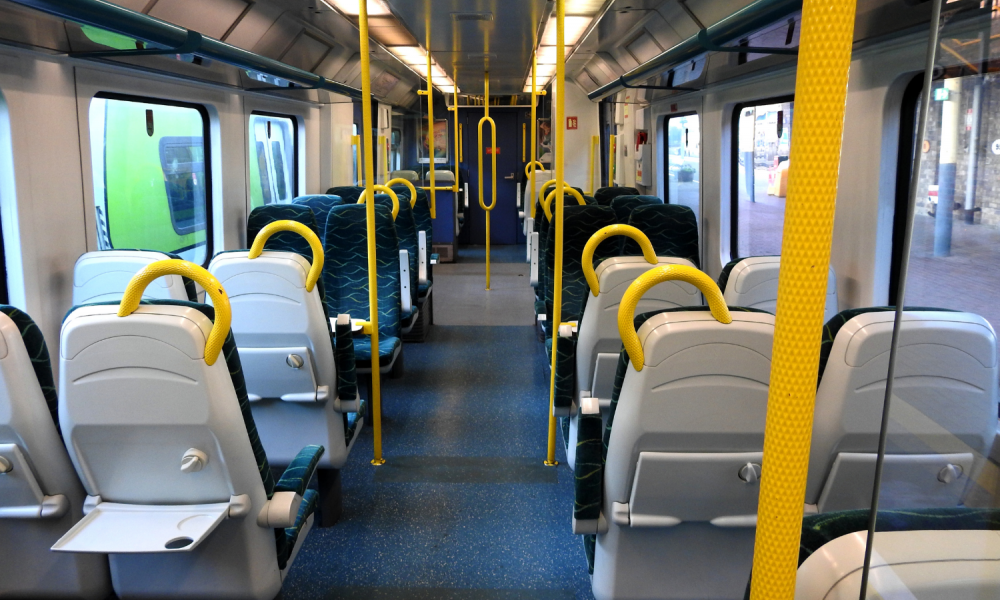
(104, 274)
(285, 241)
(672, 229)
(624, 205)
(38, 353)
(605, 195)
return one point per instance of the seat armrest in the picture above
(565, 374)
(297, 475)
(533, 276)
(343, 355)
(406, 301)
(280, 511)
(422, 257)
(589, 472)
(435, 258)
(529, 226)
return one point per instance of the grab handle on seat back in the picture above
(176, 266)
(547, 204)
(604, 233)
(384, 189)
(295, 227)
(406, 182)
(634, 293)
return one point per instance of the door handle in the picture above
(511, 176)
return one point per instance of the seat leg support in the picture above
(331, 496)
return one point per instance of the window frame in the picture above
(206, 123)
(295, 142)
(666, 154)
(734, 167)
(906, 158)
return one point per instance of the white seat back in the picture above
(685, 427)
(137, 399)
(599, 342)
(753, 282)
(40, 497)
(102, 276)
(276, 320)
(929, 565)
(529, 197)
(943, 415)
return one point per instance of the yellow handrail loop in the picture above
(295, 227)
(634, 293)
(528, 170)
(545, 188)
(214, 289)
(493, 145)
(382, 188)
(406, 182)
(547, 204)
(604, 233)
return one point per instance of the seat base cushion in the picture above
(388, 347)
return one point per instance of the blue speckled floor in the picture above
(515, 253)
(489, 522)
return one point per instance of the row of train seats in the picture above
(151, 469)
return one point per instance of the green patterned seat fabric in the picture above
(672, 229)
(840, 319)
(406, 234)
(592, 447)
(579, 224)
(423, 222)
(286, 538)
(387, 347)
(605, 195)
(349, 194)
(38, 352)
(624, 205)
(818, 530)
(286, 241)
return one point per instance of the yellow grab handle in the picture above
(528, 169)
(406, 182)
(176, 266)
(547, 204)
(634, 293)
(604, 233)
(493, 153)
(294, 226)
(545, 187)
(524, 134)
(382, 188)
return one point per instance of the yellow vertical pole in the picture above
(524, 135)
(454, 90)
(594, 140)
(820, 94)
(366, 111)
(493, 154)
(461, 145)
(534, 130)
(558, 125)
(612, 155)
(430, 132)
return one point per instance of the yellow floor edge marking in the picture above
(820, 95)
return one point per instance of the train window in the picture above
(763, 133)
(395, 149)
(152, 187)
(683, 161)
(956, 225)
(273, 150)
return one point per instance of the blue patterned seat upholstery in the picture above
(344, 235)
(406, 235)
(624, 205)
(423, 222)
(605, 195)
(284, 241)
(348, 194)
(671, 228)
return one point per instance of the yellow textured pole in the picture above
(461, 146)
(594, 140)
(820, 94)
(612, 150)
(454, 90)
(430, 130)
(493, 152)
(550, 459)
(534, 130)
(366, 111)
(524, 135)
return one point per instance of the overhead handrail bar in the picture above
(406, 182)
(742, 22)
(315, 269)
(175, 266)
(385, 189)
(604, 233)
(560, 176)
(369, 162)
(642, 283)
(121, 20)
(493, 153)
(547, 203)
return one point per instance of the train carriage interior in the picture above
(477, 300)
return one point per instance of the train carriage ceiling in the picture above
(605, 39)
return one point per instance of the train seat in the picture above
(605, 195)
(407, 240)
(411, 176)
(668, 499)
(939, 554)
(943, 416)
(102, 276)
(539, 243)
(348, 194)
(181, 495)
(283, 241)
(753, 282)
(623, 205)
(40, 495)
(415, 237)
(423, 221)
(672, 229)
(528, 197)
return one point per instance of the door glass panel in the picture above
(760, 173)
(151, 187)
(273, 145)
(684, 161)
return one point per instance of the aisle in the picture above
(463, 508)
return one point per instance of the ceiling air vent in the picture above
(472, 16)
